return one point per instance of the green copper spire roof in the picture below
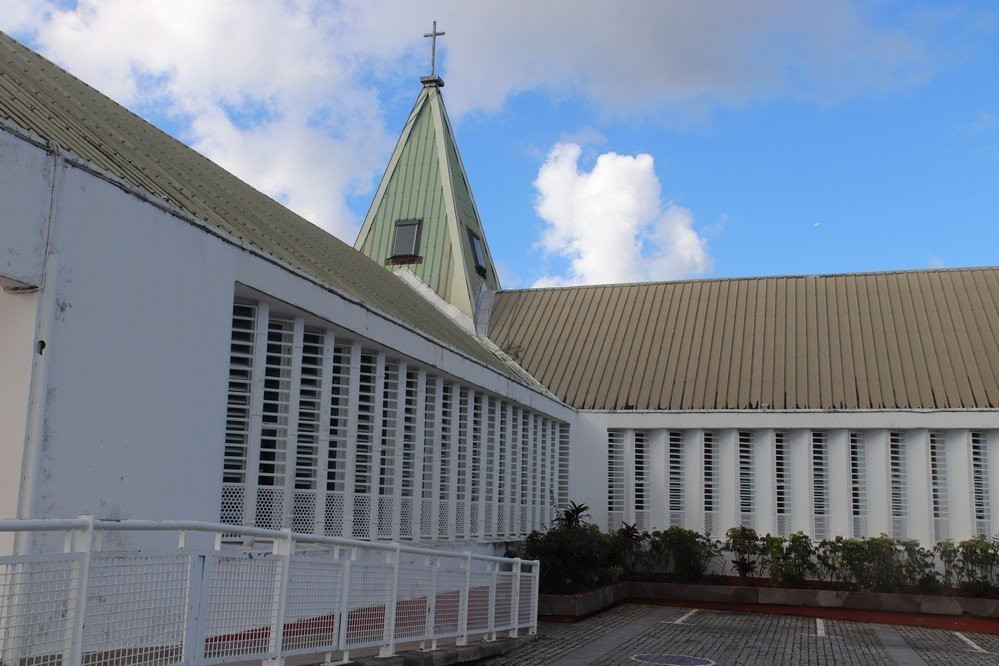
(426, 182)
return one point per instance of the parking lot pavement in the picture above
(634, 633)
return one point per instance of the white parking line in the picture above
(686, 616)
(820, 627)
(974, 646)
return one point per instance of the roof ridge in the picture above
(899, 271)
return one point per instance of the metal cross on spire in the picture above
(433, 35)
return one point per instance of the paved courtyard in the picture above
(634, 633)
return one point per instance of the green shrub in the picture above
(744, 544)
(573, 558)
(692, 553)
(789, 561)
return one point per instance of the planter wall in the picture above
(577, 606)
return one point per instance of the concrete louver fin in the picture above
(425, 181)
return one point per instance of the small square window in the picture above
(407, 238)
(478, 253)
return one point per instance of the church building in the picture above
(177, 345)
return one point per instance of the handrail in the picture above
(211, 600)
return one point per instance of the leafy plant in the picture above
(744, 544)
(573, 515)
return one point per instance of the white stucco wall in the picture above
(589, 465)
(140, 300)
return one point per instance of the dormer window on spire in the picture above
(478, 253)
(406, 243)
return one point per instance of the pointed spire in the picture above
(424, 218)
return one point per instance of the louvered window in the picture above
(386, 450)
(782, 483)
(309, 434)
(431, 458)
(938, 486)
(526, 471)
(491, 454)
(336, 455)
(447, 444)
(563, 466)
(503, 475)
(820, 484)
(710, 482)
(896, 477)
(275, 414)
(747, 489)
(642, 488)
(237, 423)
(332, 438)
(408, 505)
(674, 465)
(981, 494)
(615, 479)
(462, 471)
(475, 465)
(364, 458)
(858, 485)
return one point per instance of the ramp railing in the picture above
(243, 594)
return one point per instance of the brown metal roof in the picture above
(41, 97)
(898, 340)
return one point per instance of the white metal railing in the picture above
(302, 594)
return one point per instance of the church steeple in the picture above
(423, 217)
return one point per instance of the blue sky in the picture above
(803, 138)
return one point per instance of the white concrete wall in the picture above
(140, 302)
(589, 483)
(17, 336)
(25, 182)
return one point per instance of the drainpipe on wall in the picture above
(41, 350)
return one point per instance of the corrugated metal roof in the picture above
(41, 97)
(897, 340)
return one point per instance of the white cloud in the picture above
(289, 94)
(611, 224)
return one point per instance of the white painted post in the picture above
(535, 586)
(350, 468)
(878, 483)
(282, 550)
(431, 630)
(198, 572)
(256, 416)
(802, 505)
(693, 476)
(291, 442)
(345, 605)
(515, 599)
(959, 484)
(838, 455)
(493, 577)
(765, 473)
(82, 541)
(728, 479)
(919, 509)
(466, 564)
(388, 635)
